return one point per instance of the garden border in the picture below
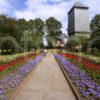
(25, 80)
(75, 92)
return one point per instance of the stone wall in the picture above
(81, 20)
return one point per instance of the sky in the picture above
(31, 9)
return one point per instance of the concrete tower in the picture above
(78, 19)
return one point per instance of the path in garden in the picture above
(47, 82)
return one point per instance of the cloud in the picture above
(94, 7)
(44, 10)
(53, 2)
(5, 6)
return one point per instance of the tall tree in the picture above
(10, 27)
(95, 27)
(53, 28)
(95, 23)
(9, 32)
(37, 31)
(9, 43)
(23, 24)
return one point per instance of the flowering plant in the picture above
(86, 86)
(13, 79)
(88, 64)
(16, 61)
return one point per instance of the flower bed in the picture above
(16, 61)
(14, 79)
(19, 61)
(92, 69)
(86, 86)
(89, 64)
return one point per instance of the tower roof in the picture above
(78, 5)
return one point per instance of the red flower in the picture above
(89, 64)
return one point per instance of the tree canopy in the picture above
(37, 31)
(31, 31)
(95, 27)
(53, 28)
(10, 27)
(17, 29)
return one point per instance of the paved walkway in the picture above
(47, 82)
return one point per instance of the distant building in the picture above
(78, 19)
(58, 43)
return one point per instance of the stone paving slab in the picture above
(47, 82)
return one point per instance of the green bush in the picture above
(9, 45)
(95, 51)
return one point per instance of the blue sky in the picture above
(18, 4)
(31, 9)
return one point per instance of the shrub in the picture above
(9, 45)
(95, 51)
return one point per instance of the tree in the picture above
(3, 22)
(95, 27)
(10, 27)
(23, 24)
(37, 32)
(95, 23)
(78, 41)
(53, 28)
(9, 43)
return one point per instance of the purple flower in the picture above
(14, 79)
(85, 84)
(1, 91)
(2, 97)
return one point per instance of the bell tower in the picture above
(78, 19)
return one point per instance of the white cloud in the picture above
(55, 0)
(47, 8)
(42, 9)
(5, 6)
(94, 7)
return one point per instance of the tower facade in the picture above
(78, 19)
